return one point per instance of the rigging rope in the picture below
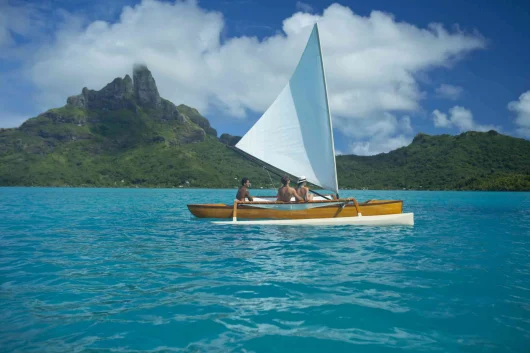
(269, 177)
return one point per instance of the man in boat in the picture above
(302, 190)
(285, 193)
(243, 192)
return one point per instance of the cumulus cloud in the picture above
(377, 146)
(522, 108)
(13, 19)
(387, 133)
(32, 21)
(371, 62)
(449, 91)
(440, 119)
(301, 6)
(19, 19)
(460, 118)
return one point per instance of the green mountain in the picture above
(469, 161)
(123, 135)
(126, 135)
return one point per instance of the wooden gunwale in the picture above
(326, 209)
(333, 203)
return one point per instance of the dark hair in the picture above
(285, 179)
(243, 181)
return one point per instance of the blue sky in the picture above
(472, 75)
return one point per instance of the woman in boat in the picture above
(302, 190)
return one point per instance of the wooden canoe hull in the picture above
(245, 211)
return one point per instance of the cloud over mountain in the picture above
(371, 62)
(460, 118)
(522, 108)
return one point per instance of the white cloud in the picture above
(440, 119)
(27, 20)
(301, 6)
(405, 124)
(371, 61)
(13, 19)
(522, 108)
(385, 134)
(376, 146)
(461, 118)
(449, 91)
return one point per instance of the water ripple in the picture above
(101, 270)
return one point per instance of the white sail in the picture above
(295, 134)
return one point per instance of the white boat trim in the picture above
(405, 219)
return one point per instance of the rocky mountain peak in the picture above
(139, 95)
(229, 140)
(145, 90)
(115, 95)
(121, 93)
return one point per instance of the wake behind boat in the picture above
(295, 136)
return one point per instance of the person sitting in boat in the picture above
(302, 190)
(285, 193)
(243, 192)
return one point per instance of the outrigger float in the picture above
(295, 137)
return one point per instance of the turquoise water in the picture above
(130, 270)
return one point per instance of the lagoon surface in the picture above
(130, 270)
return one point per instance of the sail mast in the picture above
(329, 112)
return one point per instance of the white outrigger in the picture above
(404, 219)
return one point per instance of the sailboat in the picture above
(295, 136)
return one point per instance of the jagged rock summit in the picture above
(229, 140)
(145, 90)
(141, 92)
(121, 92)
(126, 112)
(116, 95)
